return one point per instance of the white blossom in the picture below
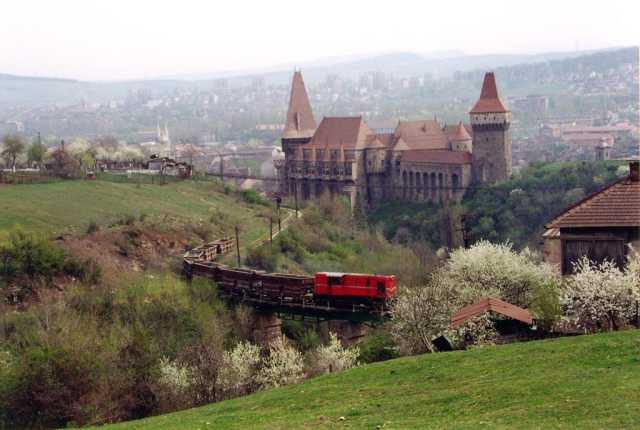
(283, 366)
(333, 357)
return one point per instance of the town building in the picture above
(603, 226)
(416, 161)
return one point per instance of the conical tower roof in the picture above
(300, 122)
(461, 133)
(489, 100)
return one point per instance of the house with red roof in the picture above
(603, 226)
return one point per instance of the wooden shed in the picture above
(491, 305)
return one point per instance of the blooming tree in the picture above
(239, 368)
(283, 366)
(601, 296)
(333, 357)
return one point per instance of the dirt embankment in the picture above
(127, 250)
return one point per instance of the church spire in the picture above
(300, 122)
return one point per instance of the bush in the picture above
(239, 369)
(283, 366)
(30, 255)
(264, 258)
(601, 296)
(332, 357)
(93, 227)
(253, 197)
(88, 271)
(476, 331)
(378, 346)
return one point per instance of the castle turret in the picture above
(491, 121)
(461, 141)
(299, 128)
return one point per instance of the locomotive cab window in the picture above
(334, 281)
(380, 287)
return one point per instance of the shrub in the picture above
(93, 227)
(239, 369)
(601, 296)
(31, 255)
(332, 357)
(283, 366)
(253, 197)
(263, 257)
(88, 271)
(476, 331)
(378, 346)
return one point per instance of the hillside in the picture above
(585, 382)
(69, 206)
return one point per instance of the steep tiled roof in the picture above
(439, 156)
(379, 140)
(300, 122)
(460, 133)
(618, 205)
(426, 134)
(489, 99)
(351, 132)
(450, 130)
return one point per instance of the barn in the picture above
(603, 226)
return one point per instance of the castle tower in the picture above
(491, 121)
(299, 128)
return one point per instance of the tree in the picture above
(13, 147)
(283, 366)
(420, 314)
(333, 357)
(36, 152)
(601, 296)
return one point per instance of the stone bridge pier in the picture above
(266, 328)
(350, 333)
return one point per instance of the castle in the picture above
(418, 161)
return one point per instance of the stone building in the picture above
(417, 161)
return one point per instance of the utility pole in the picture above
(465, 228)
(271, 231)
(295, 196)
(238, 244)
(278, 202)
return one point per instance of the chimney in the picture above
(634, 171)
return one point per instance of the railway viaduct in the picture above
(350, 325)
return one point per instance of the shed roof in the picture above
(491, 305)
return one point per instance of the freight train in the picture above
(350, 292)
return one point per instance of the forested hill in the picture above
(515, 211)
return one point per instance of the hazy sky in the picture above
(121, 39)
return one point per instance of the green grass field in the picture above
(69, 206)
(586, 382)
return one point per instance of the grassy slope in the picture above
(582, 382)
(70, 205)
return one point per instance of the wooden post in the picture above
(238, 244)
(295, 195)
(271, 231)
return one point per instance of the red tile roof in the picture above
(617, 205)
(436, 156)
(425, 134)
(460, 133)
(300, 121)
(351, 132)
(489, 99)
(491, 305)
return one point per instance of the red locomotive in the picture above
(355, 286)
